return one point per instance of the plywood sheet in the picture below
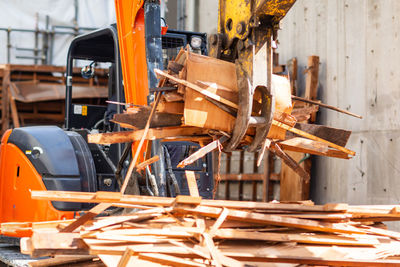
(199, 111)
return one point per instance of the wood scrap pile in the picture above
(197, 100)
(190, 231)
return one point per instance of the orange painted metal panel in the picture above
(131, 37)
(18, 178)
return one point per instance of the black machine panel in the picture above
(103, 164)
(178, 151)
(63, 159)
(48, 148)
(84, 116)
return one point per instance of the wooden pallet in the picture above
(18, 113)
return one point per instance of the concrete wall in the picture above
(359, 50)
(202, 15)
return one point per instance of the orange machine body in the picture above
(18, 174)
(19, 177)
(132, 47)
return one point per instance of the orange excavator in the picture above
(51, 158)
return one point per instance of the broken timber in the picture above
(190, 231)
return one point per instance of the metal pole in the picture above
(76, 29)
(35, 52)
(8, 46)
(45, 42)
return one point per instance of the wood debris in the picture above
(202, 93)
(190, 231)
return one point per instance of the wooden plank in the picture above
(312, 137)
(118, 248)
(144, 164)
(53, 243)
(93, 212)
(312, 72)
(191, 200)
(334, 135)
(326, 106)
(311, 148)
(197, 88)
(132, 165)
(125, 257)
(192, 184)
(213, 250)
(5, 98)
(61, 261)
(198, 110)
(169, 260)
(306, 144)
(242, 177)
(129, 136)
(112, 261)
(292, 68)
(137, 120)
(202, 152)
(170, 107)
(111, 197)
(319, 261)
(118, 219)
(292, 187)
(304, 113)
(172, 96)
(222, 217)
(275, 220)
(290, 162)
(285, 118)
(299, 238)
(14, 111)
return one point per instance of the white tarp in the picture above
(22, 14)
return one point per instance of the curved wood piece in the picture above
(244, 109)
(267, 112)
(274, 147)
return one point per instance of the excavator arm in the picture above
(246, 29)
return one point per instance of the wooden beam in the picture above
(129, 136)
(320, 261)
(325, 106)
(132, 165)
(274, 220)
(112, 197)
(312, 137)
(242, 177)
(334, 135)
(202, 152)
(192, 183)
(144, 164)
(93, 212)
(330, 153)
(138, 119)
(169, 260)
(197, 88)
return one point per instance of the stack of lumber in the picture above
(35, 94)
(190, 231)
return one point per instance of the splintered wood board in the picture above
(283, 103)
(292, 188)
(198, 110)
